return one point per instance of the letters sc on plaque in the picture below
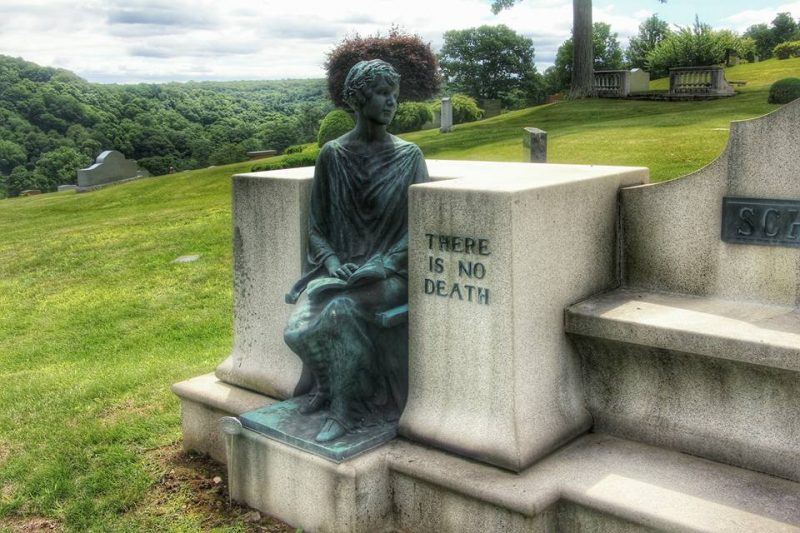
(761, 221)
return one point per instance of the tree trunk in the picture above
(582, 51)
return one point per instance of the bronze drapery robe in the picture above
(359, 213)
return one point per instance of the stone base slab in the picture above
(596, 483)
(204, 400)
(308, 491)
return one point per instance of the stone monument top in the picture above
(109, 167)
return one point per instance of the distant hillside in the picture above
(52, 122)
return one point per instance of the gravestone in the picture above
(447, 116)
(680, 353)
(109, 167)
(534, 144)
(492, 107)
(639, 81)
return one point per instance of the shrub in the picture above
(293, 149)
(298, 159)
(787, 50)
(784, 91)
(335, 124)
(413, 59)
(695, 46)
(410, 116)
(465, 108)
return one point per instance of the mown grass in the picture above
(671, 138)
(96, 321)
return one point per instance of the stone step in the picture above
(760, 334)
(706, 376)
(596, 483)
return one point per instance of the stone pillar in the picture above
(494, 259)
(447, 116)
(270, 232)
(534, 142)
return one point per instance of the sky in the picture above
(127, 41)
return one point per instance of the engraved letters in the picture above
(467, 269)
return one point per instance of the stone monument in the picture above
(545, 301)
(534, 144)
(446, 124)
(110, 167)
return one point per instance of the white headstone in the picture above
(447, 116)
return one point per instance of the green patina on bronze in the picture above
(349, 329)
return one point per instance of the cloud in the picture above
(161, 40)
(744, 19)
(301, 28)
(214, 49)
(158, 13)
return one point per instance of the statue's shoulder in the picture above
(406, 147)
(330, 151)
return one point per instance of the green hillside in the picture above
(96, 321)
(52, 122)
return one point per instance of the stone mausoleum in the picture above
(606, 355)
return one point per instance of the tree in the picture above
(413, 59)
(783, 28)
(764, 43)
(11, 155)
(487, 62)
(22, 179)
(651, 32)
(60, 166)
(582, 73)
(606, 54)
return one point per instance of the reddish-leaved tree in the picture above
(413, 59)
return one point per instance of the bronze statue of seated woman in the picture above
(358, 251)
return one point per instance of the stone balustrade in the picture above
(612, 83)
(692, 81)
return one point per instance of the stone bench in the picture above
(699, 350)
(711, 377)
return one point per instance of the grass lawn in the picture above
(96, 321)
(671, 138)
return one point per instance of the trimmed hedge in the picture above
(293, 149)
(784, 91)
(410, 116)
(307, 158)
(335, 124)
(787, 50)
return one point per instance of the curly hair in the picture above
(362, 75)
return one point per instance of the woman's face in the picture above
(381, 102)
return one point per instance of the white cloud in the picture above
(744, 19)
(157, 40)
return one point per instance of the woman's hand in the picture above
(337, 270)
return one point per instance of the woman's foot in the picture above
(331, 430)
(317, 402)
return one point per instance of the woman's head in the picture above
(363, 76)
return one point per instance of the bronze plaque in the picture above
(761, 221)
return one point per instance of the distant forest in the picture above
(53, 122)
